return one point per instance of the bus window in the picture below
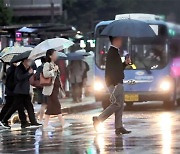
(145, 53)
(149, 54)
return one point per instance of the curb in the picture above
(81, 108)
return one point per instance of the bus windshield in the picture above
(145, 53)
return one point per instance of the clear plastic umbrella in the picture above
(56, 43)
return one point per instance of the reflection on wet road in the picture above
(153, 131)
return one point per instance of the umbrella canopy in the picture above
(77, 55)
(27, 30)
(21, 57)
(56, 43)
(9, 52)
(128, 28)
(62, 56)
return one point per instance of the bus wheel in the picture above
(169, 105)
(105, 104)
(129, 105)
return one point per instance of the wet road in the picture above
(153, 131)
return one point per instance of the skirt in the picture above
(53, 104)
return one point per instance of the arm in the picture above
(21, 76)
(8, 71)
(46, 71)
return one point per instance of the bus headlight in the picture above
(166, 85)
(98, 86)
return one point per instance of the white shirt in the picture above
(114, 47)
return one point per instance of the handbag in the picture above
(34, 82)
(45, 81)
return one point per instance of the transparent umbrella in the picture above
(55, 43)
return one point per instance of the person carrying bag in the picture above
(52, 85)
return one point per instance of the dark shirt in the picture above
(22, 76)
(114, 72)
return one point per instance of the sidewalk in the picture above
(69, 107)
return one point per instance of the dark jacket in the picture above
(10, 83)
(114, 72)
(22, 80)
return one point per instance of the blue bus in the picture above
(155, 72)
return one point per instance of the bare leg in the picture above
(61, 119)
(37, 114)
(46, 120)
(42, 111)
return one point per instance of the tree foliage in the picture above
(5, 14)
(85, 13)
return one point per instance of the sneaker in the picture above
(5, 125)
(95, 122)
(66, 125)
(122, 130)
(26, 125)
(49, 128)
(35, 125)
(40, 122)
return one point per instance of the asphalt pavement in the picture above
(154, 130)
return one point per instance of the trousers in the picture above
(116, 106)
(8, 105)
(21, 100)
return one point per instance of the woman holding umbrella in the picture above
(51, 70)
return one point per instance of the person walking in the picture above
(51, 70)
(77, 69)
(41, 98)
(9, 91)
(114, 75)
(22, 96)
(85, 79)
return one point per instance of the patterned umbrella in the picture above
(9, 52)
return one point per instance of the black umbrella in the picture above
(128, 28)
(21, 57)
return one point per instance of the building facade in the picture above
(30, 8)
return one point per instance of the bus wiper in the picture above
(145, 66)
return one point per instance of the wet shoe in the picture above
(40, 122)
(122, 130)
(5, 125)
(26, 125)
(95, 122)
(49, 128)
(66, 125)
(35, 125)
